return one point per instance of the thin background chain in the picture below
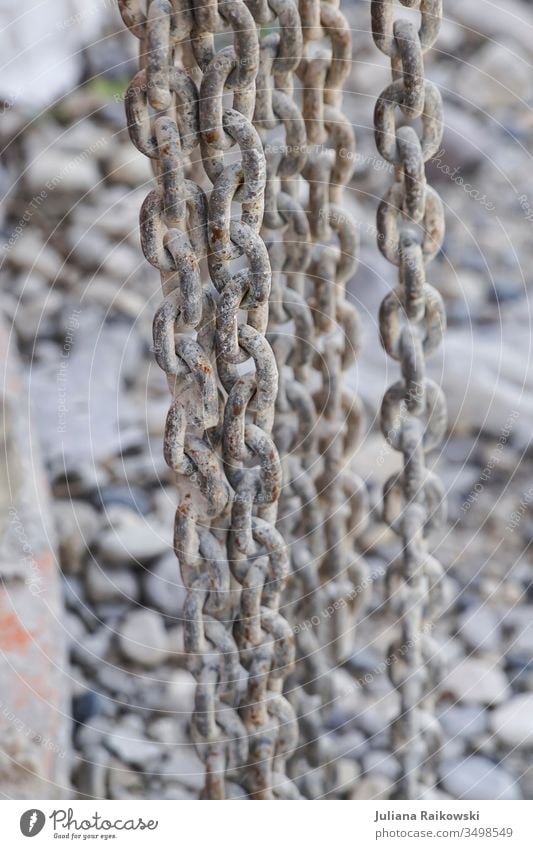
(410, 225)
(318, 422)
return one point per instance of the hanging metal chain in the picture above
(333, 576)
(209, 338)
(410, 225)
(309, 147)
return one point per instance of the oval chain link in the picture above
(410, 226)
(254, 333)
(209, 338)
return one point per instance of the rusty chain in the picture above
(318, 422)
(255, 332)
(410, 226)
(209, 338)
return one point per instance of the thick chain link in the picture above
(255, 332)
(209, 338)
(410, 225)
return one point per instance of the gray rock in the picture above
(454, 749)
(352, 744)
(479, 628)
(132, 497)
(68, 173)
(181, 690)
(92, 650)
(30, 253)
(129, 166)
(104, 292)
(142, 638)
(372, 787)
(91, 775)
(163, 586)
(112, 612)
(175, 791)
(477, 777)
(118, 213)
(88, 246)
(42, 48)
(122, 261)
(164, 499)
(39, 318)
(109, 585)
(136, 541)
(382, 762)
(347, 774)
(78, 479)
(176, 644)
(73, 593)
(89, 396)
(512, 723)
(166, 730)
(73, 627)
(122, 684)
(476, 681)
(495, 62)
(93, 732)
(123, 782)
(77, 524)
(521, 621)
(465, 721)
(185, 766)
(131, 748)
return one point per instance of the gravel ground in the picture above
(81, 298)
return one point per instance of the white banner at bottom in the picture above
(274, 825)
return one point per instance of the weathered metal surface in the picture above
(314, 331)
(210, 339)
(410, 225)
(255, 333)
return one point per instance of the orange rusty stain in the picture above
(13, 634)
(42, 684)
(46, 562)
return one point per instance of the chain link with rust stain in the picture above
(410, 225)
(294, 160)
(309, 148)
(209, 338)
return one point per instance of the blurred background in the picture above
(94, 694)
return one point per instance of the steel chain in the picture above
(209, 338)
(314, 332)
(240, 394)
(340, 495)
(410, 226)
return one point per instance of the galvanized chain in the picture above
(209, 338)
(410, 225)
